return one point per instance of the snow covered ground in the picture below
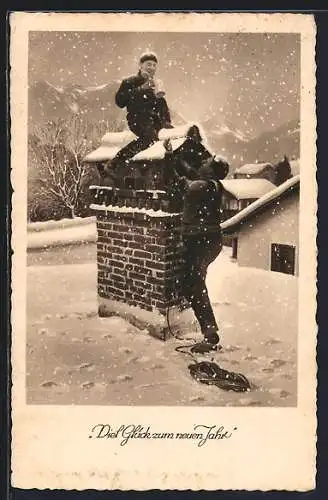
(59, 233)
(75, 357)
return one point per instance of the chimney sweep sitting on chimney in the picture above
(202, 237)
(147, 111)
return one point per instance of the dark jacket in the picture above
(200, 199)
(142, 105)
(202, 207)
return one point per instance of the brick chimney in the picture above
(139, 250)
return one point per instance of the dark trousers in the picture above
(200, 251)
(146, 127)
(147, 133)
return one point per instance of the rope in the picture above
(237, 382)
(179, 348)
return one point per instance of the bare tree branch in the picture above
(58, 148)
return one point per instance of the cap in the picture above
(216, 167)
(148, 56)
(220, 166)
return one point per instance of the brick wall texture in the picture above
(140, 259)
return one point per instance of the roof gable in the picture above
(259, 206)
(253, 168)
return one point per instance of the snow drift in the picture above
(58, 233)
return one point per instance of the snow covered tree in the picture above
(59, 148)
(58, 181)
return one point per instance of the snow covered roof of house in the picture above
(113, 142)
(243, 189)
(273, 196)
(253, 168)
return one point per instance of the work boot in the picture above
(209, 344)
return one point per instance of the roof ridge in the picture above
(262, 202)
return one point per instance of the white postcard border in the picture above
(273, 448)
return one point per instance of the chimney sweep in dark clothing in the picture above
(202, 239)
(186, 162)
(147, 111)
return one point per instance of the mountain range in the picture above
(270, 146)
(49, 102)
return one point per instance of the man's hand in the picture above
(149, 83)
(145, 75)
(168, 146)
(159, 88)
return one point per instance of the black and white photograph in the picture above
(163, 175)
(162, 213)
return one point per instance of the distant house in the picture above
(266, 233)
(256, 171)
(276, 173)
(239, 193)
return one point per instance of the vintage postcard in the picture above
(164, 251)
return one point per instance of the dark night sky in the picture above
(249, 81)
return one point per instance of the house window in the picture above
(225, 202)
(233, 204)
(283, 258)
(234, 248)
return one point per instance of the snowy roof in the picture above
(257, 206)
(247, 188)
(253, 168)
(113, 142)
